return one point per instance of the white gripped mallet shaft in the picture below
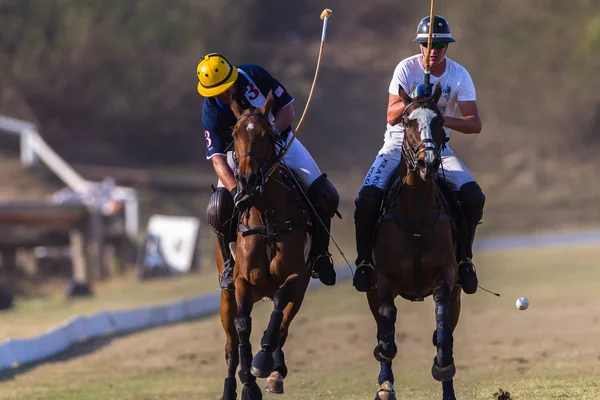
(325, 16)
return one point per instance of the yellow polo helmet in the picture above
(215, 74)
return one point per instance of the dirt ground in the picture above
(549, 351)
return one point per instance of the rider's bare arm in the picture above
(469, 122)
(223, 171)
(395, 109)
(284, 117)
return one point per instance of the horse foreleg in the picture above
(243, 326)
(448, 386)
(275, 380)
(263, 363)
(443, 368)
(381, 303)
(228, 310)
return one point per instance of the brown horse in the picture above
(414, 249)
(270, 258)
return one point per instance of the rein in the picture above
(270, 230)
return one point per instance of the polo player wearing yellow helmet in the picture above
(219, 83)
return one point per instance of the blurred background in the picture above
(109, 88)
(102, 152)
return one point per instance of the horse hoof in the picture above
(386, 391)
(275, 383)
(262, 364)
(442, 374)
(251, 391)
(382, 355)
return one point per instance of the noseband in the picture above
(411, 153)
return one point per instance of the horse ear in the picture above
(236, 108)
(266, 108)
(406, 99)
(437, 92)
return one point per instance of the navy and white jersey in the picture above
(218, 119)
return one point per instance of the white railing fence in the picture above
(34, 149)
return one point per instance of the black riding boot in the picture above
(472, 201)
(222, 217)
(323, 264)
(467, 274)
(368, 205)
(226, 278)
(325, 200)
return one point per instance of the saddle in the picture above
(446, 197)
(271, 230)
(449, 210)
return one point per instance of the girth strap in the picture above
(270, 231)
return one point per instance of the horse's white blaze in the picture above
(250, 127)
(424, 116)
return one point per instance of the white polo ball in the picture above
(522, 303)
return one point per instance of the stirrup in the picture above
(326, 254)
(361, 284)
(365, 263)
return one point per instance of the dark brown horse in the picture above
(270, 258)
(414, 249)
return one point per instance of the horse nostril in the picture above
(421, 164)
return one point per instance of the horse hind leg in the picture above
(263, 363)
(386, 348)
(443, 368)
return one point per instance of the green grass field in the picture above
(549, 351)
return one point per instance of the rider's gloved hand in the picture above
(422, 90)
(241, 201)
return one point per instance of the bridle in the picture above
(273, 140)
(411, 153)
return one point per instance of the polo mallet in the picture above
(427, 76)
(325, 17)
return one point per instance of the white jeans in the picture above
(390, 155)
(297, 158)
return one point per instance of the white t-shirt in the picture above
(456, 82)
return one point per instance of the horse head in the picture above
(424, 133)
(254, 147)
